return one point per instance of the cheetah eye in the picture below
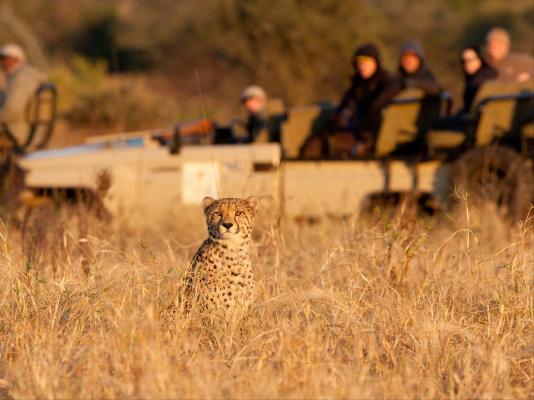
(217, 214)
(238, 213)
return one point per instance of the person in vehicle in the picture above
(21, 83)
(245, 130)
(372, 88)
(413, 72)
(476, 71)
(511, 67)
(254, 99)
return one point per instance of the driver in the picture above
(246, 130)
(21, 82)
(254, 100)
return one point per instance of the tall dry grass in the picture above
(387, 307)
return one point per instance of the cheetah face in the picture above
(230, 218)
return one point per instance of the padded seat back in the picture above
(41, 115)
(399, 122)
(297, 128)
(497, 116)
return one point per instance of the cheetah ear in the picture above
(253, 203)
(206, 202)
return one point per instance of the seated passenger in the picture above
(511, 67)
(476, 71)
(372, 88)
(413, 70)
(21, 83)
(254, 99)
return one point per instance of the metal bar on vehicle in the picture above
(386, 170)
(446, 98)
(505, 97)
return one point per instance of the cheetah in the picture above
(221, 274)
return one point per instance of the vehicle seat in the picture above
(399, 122)
(444, 139)
(489, 119)
(298, 127)
(41, 115)
(497, 116)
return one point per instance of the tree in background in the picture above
(200, 53)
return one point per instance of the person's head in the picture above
(366, 60)
(412, 57)
(11, 55)
(254, 98)
(497, 44)
(471, 60)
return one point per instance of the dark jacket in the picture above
(422, 78)
(474, 81)
(365, 98)
(254, 125)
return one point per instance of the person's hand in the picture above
(523, 77)
(342, 119)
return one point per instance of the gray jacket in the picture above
(20, 86)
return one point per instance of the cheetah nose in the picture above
(227, 225)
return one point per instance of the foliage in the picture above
(300, 50)
(90, 98)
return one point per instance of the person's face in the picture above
(254, 105)
(497, 49)
(410, 63)
(471, 63)
(366, 67)
(7, 63)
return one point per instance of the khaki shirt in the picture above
(517, 67)
(20, 86)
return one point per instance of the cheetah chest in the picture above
(224, 275)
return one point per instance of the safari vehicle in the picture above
(154, 175)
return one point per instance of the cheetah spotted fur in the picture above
(221, 274)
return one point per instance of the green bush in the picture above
(204, 52)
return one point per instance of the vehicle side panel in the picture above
(318, 188)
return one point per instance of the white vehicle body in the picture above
(147, 180)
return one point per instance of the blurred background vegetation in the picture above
(133, 64)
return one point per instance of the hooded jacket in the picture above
(365, 98)
(422, 78)
(473, 82)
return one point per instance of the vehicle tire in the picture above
(495, 174)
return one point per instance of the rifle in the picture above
(195, 131)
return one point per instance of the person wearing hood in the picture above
(476, 71)
(371, 89)
(413, 72)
